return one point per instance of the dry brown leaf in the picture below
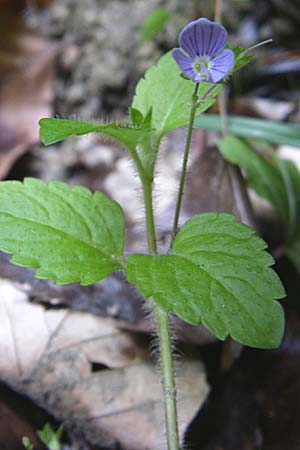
(26, 86)
(47, 355)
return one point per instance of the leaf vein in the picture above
(34, 200)
(58, 231)
(112, 237)
(241, 305)
(76, 213)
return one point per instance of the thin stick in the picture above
(185, 160)
(237, 182)
(218, 11)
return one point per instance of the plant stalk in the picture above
(150, 225)
(168, 376)
(161, 316)
(163, 331)
(185, 159)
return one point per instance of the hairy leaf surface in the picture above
(56, 130)
(68, 234)
(220, 275)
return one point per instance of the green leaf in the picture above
(148, 119)
(155, 23)
(255, 129)
(169, 96)
(220, 275)
(242, 59)
(27, 443)
(50, 437)
(136, 117)
(292, 251)
(291, 180)
(294, 175)
(276, 180)
(55, 130)
(68, 234)
(262, 175)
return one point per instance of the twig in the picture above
(218, 11)
(237, 182)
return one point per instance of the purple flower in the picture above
(202, 56)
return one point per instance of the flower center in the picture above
(198, 67)
(202, 64)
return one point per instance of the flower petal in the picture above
(203, 37)
(186, 64)
(221, 65)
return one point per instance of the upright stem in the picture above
(163, 327)
(150, 225)
(185, 159)
(162, 319)
(168, 376)
(147, 182)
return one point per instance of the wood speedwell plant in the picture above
(216, 271)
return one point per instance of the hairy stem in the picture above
(168, 376)
(147, 183)
(185, 159)
(150, 226)
(163, 325)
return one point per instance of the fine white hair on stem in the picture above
(154, 342)
(155, 352)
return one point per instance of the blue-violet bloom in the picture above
(202, 55)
